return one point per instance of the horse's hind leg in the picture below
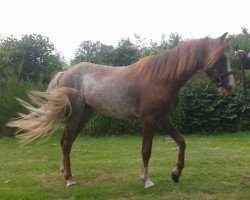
(168, 127)
(67, 140)
(73, 127)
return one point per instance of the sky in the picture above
(67, 23)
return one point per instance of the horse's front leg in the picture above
(148, 128)
(169, 128)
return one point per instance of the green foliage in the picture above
(31, 58)
(179, 116)
(155, 48)
(10, 87)
(242, 40)
(94, 52)
(174, 40)
(102, 125)
(208, 111)
(126, 53)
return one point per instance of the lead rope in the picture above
(243, 79)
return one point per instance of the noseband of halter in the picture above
(218, 78)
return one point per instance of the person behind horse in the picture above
(244, 58)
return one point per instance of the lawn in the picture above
(108, 168)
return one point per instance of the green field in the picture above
(108, 168)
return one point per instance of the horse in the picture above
(147, 90)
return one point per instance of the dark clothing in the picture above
(246, 62)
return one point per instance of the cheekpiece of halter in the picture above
(218, 78)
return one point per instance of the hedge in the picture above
(201, 109)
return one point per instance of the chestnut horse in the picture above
(147, 90)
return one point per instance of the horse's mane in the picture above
(187, 56)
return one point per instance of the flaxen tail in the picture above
(48, 109)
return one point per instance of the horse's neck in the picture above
(185, 76)
(191, 60)
(187, 73)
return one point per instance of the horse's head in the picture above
(217, 65)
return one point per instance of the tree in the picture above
(126, 53)
(174, 40)
(155, 48)
(32, 57)
(241, 40)
(94, 52)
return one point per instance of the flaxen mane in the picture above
(170, 65)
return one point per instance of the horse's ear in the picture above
(222, 38)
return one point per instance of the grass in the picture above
(108, 168)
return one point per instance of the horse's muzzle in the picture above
(225, 92)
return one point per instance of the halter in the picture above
(218, 78)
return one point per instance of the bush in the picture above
(11, 87)
(206, 110)
(102, 125)
(201, 109)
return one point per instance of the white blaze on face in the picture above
(231, 77)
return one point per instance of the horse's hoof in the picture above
(175, 178)
(148, 184)
(70, 183)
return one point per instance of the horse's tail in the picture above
(54, 83)
(48, 109)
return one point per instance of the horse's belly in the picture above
(112, 102)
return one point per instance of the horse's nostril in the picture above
(231, 87)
